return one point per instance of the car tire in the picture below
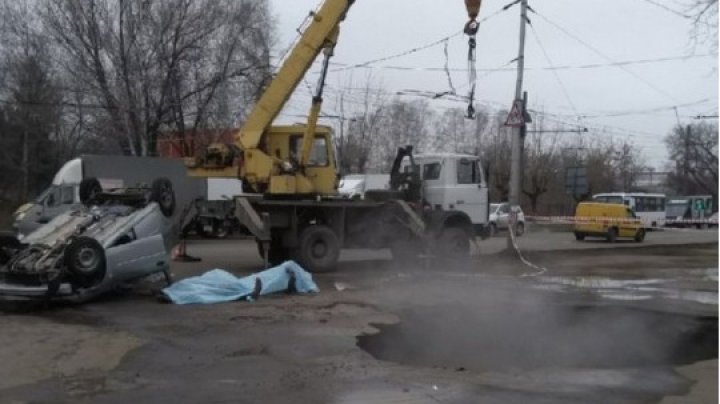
(90, 188)
(493, 229)
(453, 242)
(612, 234)
(318, 249)
(640, 235)
(519, 229)
(162, 193)
(579, 236)
(85, 259)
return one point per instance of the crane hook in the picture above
(473, 9)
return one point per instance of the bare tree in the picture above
(361, 113)
(31, 105)
(694, 149)
(161, 66)
(401, 123)
(705, 22)
(542, 164)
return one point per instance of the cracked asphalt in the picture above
(129, 347)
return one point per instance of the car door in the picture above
(503, 216)
(629, 226)
(470, 195)
(137, 257)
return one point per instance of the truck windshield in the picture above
(468, 173)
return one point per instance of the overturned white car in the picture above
(117, 236)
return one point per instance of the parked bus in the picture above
(686, 211)
(650, 208)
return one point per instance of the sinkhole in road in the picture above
(538, 336)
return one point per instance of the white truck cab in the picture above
(454, 181)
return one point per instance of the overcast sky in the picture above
(620, 64)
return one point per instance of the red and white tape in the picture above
(606, 220)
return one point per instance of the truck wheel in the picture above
(85, 258)
(162, 193)
(640, 236)
(611, 235)
(454, 243)
(318, 249)
(89, 190)
(579, 236)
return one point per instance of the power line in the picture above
(413, 50)
(555, 73)
(609, 59)
(647, 111)
(547, 68)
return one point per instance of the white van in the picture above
(354, 186)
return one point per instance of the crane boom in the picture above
(320, 34)
(296, 160)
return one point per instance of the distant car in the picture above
(115, 237)
(607, 220)
(354, 186)
(500, 218)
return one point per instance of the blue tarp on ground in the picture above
(221, 286)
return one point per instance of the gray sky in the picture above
(583, 39)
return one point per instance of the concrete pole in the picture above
(516, 145)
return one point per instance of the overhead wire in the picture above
(648, 110)
(555, 73)
(547, 68)
(609, 59)
(414, 49)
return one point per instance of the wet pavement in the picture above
(601, 326)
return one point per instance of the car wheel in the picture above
(579, 236)
(454, 243)
(493, 229)
(519, 229)
(85, 259)
(318, 249)
(611, 235)
(162, 193)
(90, 188)
(640, 235)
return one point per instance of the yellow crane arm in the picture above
(320, 34)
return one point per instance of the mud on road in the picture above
(601, 326)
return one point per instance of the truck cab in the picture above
(454, 181)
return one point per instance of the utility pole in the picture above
(686, 160)
(517, 133)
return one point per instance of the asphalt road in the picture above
(608, 323)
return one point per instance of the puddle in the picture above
(540, 335)
(636, 289)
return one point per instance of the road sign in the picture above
(576, 183)
(516, 118)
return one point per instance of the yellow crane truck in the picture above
(290, 177)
